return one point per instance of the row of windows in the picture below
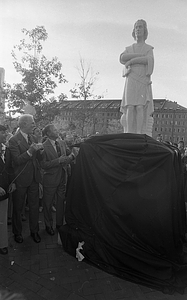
(163, 116)
(97, 121)
(66, 119)
(169, 129)
(173, 139)
(177, 116)
(111, 114)
(66, 113)
(165, 122)
(156, 115)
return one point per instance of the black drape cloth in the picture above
(125, 201)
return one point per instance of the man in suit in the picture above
(56, 157)
(6, 178)
(25, 154)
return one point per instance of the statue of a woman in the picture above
(137, 102)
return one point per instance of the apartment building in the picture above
(170, 118)
(96, 114)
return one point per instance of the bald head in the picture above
(26, 123)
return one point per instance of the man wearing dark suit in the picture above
(56, 157)
(24, 152)
(6, 178)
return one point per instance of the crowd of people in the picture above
(34, 166)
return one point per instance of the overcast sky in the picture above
(98, 31)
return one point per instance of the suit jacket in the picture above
(26, 167)
(6, 173)
(52, 169)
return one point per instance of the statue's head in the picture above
(144, 26)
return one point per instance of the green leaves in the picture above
(40, 76)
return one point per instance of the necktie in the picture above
(58, 148)
(3, 152)
(29, 140)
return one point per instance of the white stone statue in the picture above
(137, 102)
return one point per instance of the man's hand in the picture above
(2, 191)
(71, 156)
(75, 151)
(40, 146)
(63, 159)
(12, 188)
(34, 147)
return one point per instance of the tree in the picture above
(40, 76)
(82, 120)
(114, 126)
(47, 111)
(85, 118)
(85, 89)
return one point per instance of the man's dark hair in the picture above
(46, 129)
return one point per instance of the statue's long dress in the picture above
(138, 89)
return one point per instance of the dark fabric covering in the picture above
(126, 202)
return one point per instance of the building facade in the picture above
(90, 116)
(170, 121)
(170, 118)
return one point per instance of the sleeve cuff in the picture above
(29, 153)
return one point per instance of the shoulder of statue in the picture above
(129, 48)
(149, 47)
